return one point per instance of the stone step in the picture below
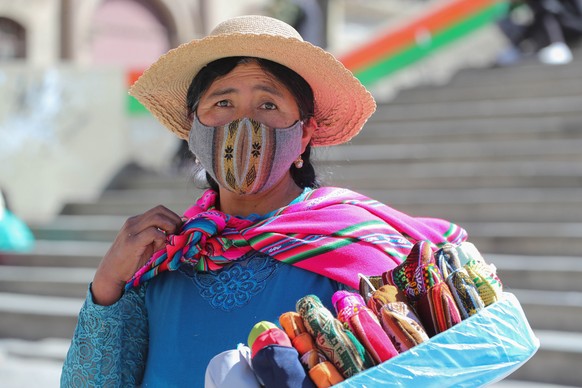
(552, 310)
(520, 107)
(404, 174)
(507, 151)
(123, 208)
(509, 383)
(556, 362)
(45, 349)
(471, 195)
(518, 75)
(542, 273)
(41, 259)
(486, 205)
(56, 232)
(83, 228)
(526, 238)
(54, 281)
(147, 179)
(460, 205)
(59, 253)
(474, 129)
(532, 262)
(158, 181)
(34, 317)
(540, 87)
(460, 209)
(451, 175)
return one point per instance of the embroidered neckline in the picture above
(234, 285)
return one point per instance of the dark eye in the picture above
(269, 106)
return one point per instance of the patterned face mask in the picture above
(245, 156)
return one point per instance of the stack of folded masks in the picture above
(337, 343)
(397, 317)
(322, 372)
(421, 281)
(352, 311)
(461, 285)
(484, 275)
(447, 286)
(393, 312)
(323, 346)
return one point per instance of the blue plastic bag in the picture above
(480, 350)
(14, 233)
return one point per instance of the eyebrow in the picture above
(262, 87)
(222, 92)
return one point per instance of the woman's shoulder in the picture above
(331, 192)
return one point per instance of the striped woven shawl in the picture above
(333, 232)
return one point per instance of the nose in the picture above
(245, 110)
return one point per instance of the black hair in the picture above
(299, 88)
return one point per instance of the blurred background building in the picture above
(66, 124)
(456, 135)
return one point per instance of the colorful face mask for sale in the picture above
(245, 156)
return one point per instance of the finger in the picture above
(157, 221)
(161, 210)
(150, 236)
(159, 217)
(165, 224)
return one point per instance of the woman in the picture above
(251, 99)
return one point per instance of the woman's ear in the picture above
(308, 128)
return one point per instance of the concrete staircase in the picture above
(496, 150)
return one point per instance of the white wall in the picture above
(63, 133)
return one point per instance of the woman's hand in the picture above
(135, 243)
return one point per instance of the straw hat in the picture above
(342, 104)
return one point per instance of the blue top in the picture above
(165, 332)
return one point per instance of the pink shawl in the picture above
(333, 232)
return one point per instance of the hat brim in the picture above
(342, 103)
